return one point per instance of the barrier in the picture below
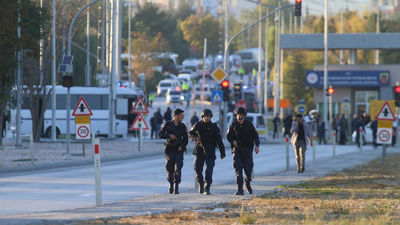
(97, 175)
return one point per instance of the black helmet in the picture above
(240, 110)
(206, 112)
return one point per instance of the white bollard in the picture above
(313, 149)
(334, 144)
(360, 139)
(97, 174)
(31, 146)
(287, 152)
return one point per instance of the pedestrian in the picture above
(159, 120)
(207, 137)
(343, 127)
(358, 127)
(374, 128)
(321, 132)
(366, 119)
(167, 114)
(277, 123)
(301, 134)
(153, 125)
(187, 99)
(242, 135)
(354, 122)
(287, 123)
(194, 119)
(176, 139)
(151, 99)
(4, 122)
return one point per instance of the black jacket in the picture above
(180, 131)
(245, 134)
(210, 137)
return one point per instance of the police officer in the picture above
(207, 137)
(242, 135)
(175, 133)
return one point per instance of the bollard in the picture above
(97, 174)
(313, 149)
(360, 139)
(384, 153)
(287, 152)
(31, 146)
(334, 144)
(140, 134)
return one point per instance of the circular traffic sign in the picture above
(302, 109)
(83, 131)
(384, 135)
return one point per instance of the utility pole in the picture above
(129, 46)
(19, 80)
(266, 55)
(53, 76)
(277, 62)
(325, 114)
(88, 47)
(259, 87)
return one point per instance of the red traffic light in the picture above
(397, 89)
(331, 91)
(225, 84)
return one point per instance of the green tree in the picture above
(197, 27)
(8, 45)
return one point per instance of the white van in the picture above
(164, 85)
(258, 121)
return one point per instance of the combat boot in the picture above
(207, 190)
(171, 188)
(201, 188)
(248, 188)
(240, 190)
(176, 188)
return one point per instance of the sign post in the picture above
(139, 124)
(82, 115)
(385, 119)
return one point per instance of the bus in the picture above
(97, 100)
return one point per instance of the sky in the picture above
(314, 6)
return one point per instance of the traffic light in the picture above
(397, 95)
(237, 90)
(225, 89)
(330, 91)
(297, 8)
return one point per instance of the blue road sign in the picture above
(216, 96)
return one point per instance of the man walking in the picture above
(277, 123)
(300, 135)
(175, 133)
(194, 119)
(242, 135)
(207, 137)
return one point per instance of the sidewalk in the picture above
(190, 200)
(47, 154)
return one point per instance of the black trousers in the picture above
(173, 165)
(243, 160)
(199, 161)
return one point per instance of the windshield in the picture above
(165, 85)
(175, 93)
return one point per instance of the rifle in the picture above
(201, 144)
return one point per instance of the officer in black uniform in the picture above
(176, 139)
(242, 135)
(207, 137)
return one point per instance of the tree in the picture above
(8, 45)
(144, 49)
(197, 27)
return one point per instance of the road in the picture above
(73, 187)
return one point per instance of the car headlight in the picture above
(182, 98)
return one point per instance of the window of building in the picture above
(362, 100)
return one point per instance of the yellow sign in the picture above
(82, 119)
(219, 74)
(385, 124)
(376, 105)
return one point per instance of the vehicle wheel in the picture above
(48, 132)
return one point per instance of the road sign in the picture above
(82, 108)
(139, 121)
(82, 119)
(139, 107)
(301, 109)
(82, 131)
(384, 136)
(219, 74)
(216, 96)
(385, 113)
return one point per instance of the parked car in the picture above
(258, 121)
(164, 85)
(174, 96)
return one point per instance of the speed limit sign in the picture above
(82, 131)
(384, 136)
